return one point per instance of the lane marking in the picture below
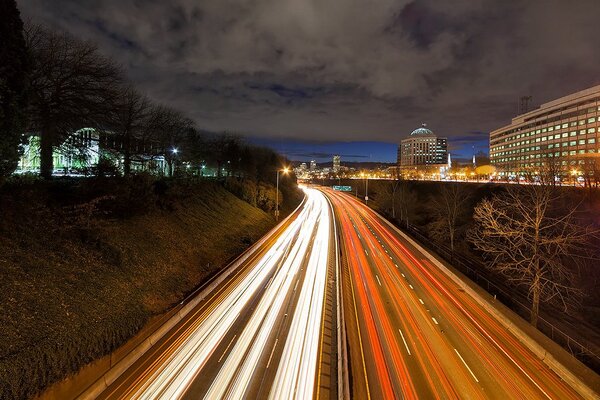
(396, 265)
(378, 281)
(434, 320)
(405, 345)
(227, 348)
(402, 275)
(463, 360)
(366, 252)
(421, 301)
(411, 287)
(296, 285)
(272, 351)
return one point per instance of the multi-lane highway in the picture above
(414, 333)
(270, 328)
(264, 333)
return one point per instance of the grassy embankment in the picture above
(83, 268)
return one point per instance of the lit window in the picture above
(550, 128)
(572, 133)
(590, 120)
(581, 141)
(591, 130)
(573, 143)
(582, 122)
(591, 140)
(565, 134)
(557, 136)
(565, 125)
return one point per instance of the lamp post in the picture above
(366, 176)
(174, 150)
(285, 171)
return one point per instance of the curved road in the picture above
(413, 333)
(260, 334)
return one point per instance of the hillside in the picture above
(82, 269)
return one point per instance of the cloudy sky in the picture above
(308, 76)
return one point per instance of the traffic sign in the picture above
(343, 188)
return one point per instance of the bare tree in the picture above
(449, 209)
(128, 123)
(169, 129)
(72, 86)
(407, 201)
(525, 236)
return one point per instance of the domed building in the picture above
(423, 148)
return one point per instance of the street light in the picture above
(285, 171)
(366, 188)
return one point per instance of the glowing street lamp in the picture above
(285, 171)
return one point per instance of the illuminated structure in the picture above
(562, 134)
(81, 151)
(423, 150)
(313, 165)
(336, 164)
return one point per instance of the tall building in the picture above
(423, 148)
(313, 165)
(563, 132)
(336, 164)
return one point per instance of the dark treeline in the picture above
(53, 85)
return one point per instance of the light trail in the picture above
(457, 349)
(289, 278)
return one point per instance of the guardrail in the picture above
(585, 351)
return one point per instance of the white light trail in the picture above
(282, 264)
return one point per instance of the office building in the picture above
(423, 148)
(336, 164)
(561, 134)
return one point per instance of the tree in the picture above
(170, 128)
(407, 201)
(448, 209)
(72, 86)
(13, 86)
(128, 123)
(525, 236)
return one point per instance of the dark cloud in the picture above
(343, 69)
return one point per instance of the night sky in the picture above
(312, 78)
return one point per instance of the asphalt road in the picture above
(264, 333)
(413, 333)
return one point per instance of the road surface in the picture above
(266, 332)
(414, 333)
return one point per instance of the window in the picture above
(591, 130)
(565, 125)
(572, 133)
(581, 141)
(574, 123)
(582, 132)
(550, 128)
(565, 134)
(557, 136)
(573, 143)
(544, 139)
(591, 140)
(582, 122)
(591, 120)
(557, 127)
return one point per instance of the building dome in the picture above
(422, 131)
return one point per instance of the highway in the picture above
(414, 333)
(265, 332)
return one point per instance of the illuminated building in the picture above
(562, 134)
(423, 148)
(336, 164)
